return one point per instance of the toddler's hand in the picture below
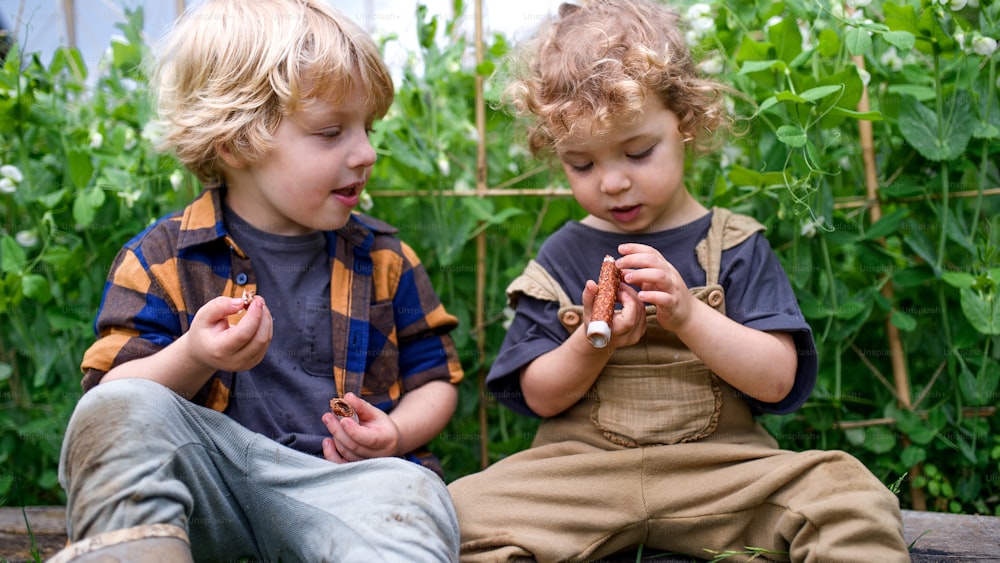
(216, 343)
(373, 435)
(628, 324)
(660, 284)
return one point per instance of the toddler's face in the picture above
(313, 176)
(630, 179)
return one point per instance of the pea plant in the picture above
(870, 135)
(893, 253)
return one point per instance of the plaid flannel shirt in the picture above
(389, 327)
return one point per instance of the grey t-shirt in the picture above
(285, 395)
(757, 293)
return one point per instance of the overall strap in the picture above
(535, 281)
(728, 230)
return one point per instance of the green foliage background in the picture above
(87, 179)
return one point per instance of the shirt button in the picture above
(241, 278)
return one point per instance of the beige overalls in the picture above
(663, 453)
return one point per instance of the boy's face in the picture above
(313, 176)
(630, 179)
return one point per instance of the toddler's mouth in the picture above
(625, 214)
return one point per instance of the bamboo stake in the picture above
(554, 191)
(896, 354)
(70, 13)
(481, 190)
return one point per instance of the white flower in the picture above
(809, 227)
(11, 172)
(960, 39)
(366, 202)
(891, 59)
(176, 178)
(7, 186)
(96, 140)
(731, 154)
(26, 239)
(130, 197)
(957, 5)
(773, 21)
(713, 65)
(973, 4)
(865, 76)
(859, 3)
(129, 139)
(698, 10)
(443, 165)
(700, 22)
(982, 45)
(153, 131)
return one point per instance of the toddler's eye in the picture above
(581, 167)
(642, 155)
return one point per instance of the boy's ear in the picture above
(227, 155)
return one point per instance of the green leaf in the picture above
(960, 280)
(866, 115)
(912, 455)
(36, 287)
(919, 126)
(978, 390)
(903, 40)
(792, 135)
(758, 66)
(821, 92)
(879, 439)
(887, 225)
(982, 311)
(858, 41)
(12, 256)
(903, 321)
(80, 167)
(6, 370)
(85, 206)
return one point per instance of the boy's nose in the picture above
(363, 154)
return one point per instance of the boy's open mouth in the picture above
(350, 195)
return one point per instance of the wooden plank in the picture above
(935, 536)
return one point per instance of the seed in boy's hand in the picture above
(247, 299)
(342, 409)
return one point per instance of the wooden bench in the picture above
(936, 537)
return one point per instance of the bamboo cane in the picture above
(481, 241)
(900, 376)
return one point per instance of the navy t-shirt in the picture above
(285, 395)
(757, 291)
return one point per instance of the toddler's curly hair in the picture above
(597, 62)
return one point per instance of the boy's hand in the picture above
(216, 343)
(660, 284)
(628, 324)
(374, 435)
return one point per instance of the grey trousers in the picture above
(136, 453)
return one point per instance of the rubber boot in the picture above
(155, 542)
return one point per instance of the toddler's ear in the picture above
(566, 9)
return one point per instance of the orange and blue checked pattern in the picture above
(390, 330)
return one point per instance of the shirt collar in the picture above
(202, 222)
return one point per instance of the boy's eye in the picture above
(580, 167)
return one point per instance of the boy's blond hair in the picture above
(596, 62)
(229, 71)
